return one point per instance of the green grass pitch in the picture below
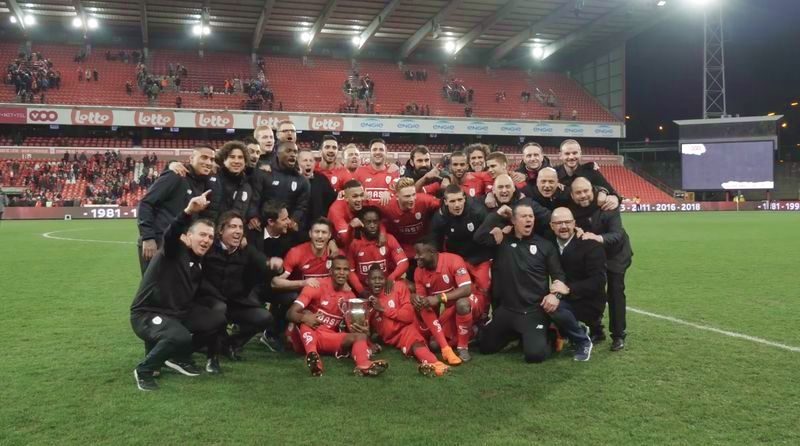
(68, 353)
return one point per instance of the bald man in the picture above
(582, 293)
(546, 190)
(508, 196)
(605, 227)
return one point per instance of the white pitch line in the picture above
(731, 334)
(53, 237)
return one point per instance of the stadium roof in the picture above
(496, 28)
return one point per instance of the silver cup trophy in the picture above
(355, 311)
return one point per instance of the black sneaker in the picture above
(617, 344)
(212, 366)
(233, 353)
(184, 368)
(145, 381)
(273, 343)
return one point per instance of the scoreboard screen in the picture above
(737, 165)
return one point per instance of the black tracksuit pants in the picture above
(531, 328)
(166, 337)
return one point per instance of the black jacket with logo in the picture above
(522, 267)
(168, 197)
(456, 233)
(170, 283)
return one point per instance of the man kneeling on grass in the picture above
(395, 321)
(163, 313)
(316, 318)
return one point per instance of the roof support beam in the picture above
(326, 13)
(484, 26)
(81, 12)
(504, 48)
(18, 14)
(586, 30)
(413, 41)
(143, 18)
(205, 21)
(258, 33)
(376, 23)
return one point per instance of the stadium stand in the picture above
(305, 85)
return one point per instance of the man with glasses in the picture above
(287, 132)
(581, 296)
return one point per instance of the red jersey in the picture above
(375, 181)
(337, 176)
(397, 313)
(325, 302)
(432, 188)
(340, 215)
(451, 272)
(363, 253)
(301, 263)
(408, 226)
(472, 184)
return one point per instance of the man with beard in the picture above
(237, 192)
(163, 313)
(572, 168)
(253, 151)
(230, 273)
(522, 268)
(286, 183)
(366, 251)
(408, 216)
(606, 228)
(317, 317)
(533, 160)
(169, 195)
(377, 177)
(328, 151)
(420, 169)
(453, 227)
(395, 321)
(460, 176)
(322, 194)
(342, 213)
(308, 262)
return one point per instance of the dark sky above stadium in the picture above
(762, 68)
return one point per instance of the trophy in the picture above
(355, 311)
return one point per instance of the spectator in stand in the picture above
(574, 115)
(129, 88)
(178, 102)
(95, 74)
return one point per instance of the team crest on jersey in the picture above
(391, 304)
(328, 264)
(418, 215)
(244, 195)
(382, 250)
(471, 191)
(388, 179)
(334, 180)
(470, 227)
(533, 249)
(361, 253)
(294, 186)
(446, 279)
